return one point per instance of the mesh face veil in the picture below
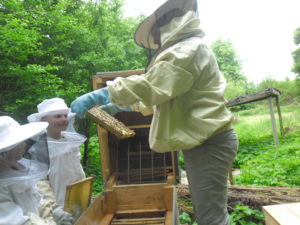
(17, 163)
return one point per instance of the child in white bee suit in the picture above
(184, 90)
(21, 202)
(63, 144)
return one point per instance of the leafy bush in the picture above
(276, 166)
(239, 215)
(185, 218)
(94, 164)
(244, 215)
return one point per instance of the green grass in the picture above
(260, 161)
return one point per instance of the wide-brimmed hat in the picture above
(12, 133)
(49, 107)
(143, 36)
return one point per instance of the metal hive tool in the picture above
(109, 122)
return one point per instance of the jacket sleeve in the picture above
(10, 212)
(140, 107)
(165, 80)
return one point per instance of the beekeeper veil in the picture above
(16, 143)
(53, 106)
(147, 34)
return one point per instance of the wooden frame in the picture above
(144, 203)
(269, 94)
(129, 200)
(99, 81)
(78, 196)
(282, 214)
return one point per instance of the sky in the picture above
(261, 31)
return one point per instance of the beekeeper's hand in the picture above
(113, 109)
(62, 217)
(83, 103)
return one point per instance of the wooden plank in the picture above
(154, 185)
(271, 92)
(270, 220)
(171, 179)
(98, 83)
(174, 167)
(104, 153)
(275, 134)
(107, 219)
(137, 223)
(140, 211)
(139, 220)
(169, 218)
(284, 214)
(122, 73)
(94, 213)
(140, 197)
(139, 126)
(279, 116)
(112, 201)
(295, 209)
(168, 197)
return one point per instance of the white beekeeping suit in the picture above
(63, 144)
(65, 163)
(19, 197)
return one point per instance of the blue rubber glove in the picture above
(83, 103)
(113, 109)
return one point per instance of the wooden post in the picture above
(275, 135)
(279, 115)
(231, 177)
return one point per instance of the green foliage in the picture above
(260, 161)
(181, 161)
(228, 60)
(244, 215)
(239, 215)
(297, 36)
(288, 89)
(275, 166)
(53, 48)
(234, 89)
(296, 57)
(185, 218)
(94, 164)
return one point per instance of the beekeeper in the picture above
(20, 199)
(63, 144)
(184, 89)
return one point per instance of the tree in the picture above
(228, 60)
(287, 88)
(296, 57)
(231, 68)
(53, 48)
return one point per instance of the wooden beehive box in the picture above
(282, 214)
(138, 183)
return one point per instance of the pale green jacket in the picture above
(183, 86)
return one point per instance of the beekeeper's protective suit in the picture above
(184, 89)
(19, 196)
(65, 166)
(65, 163)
